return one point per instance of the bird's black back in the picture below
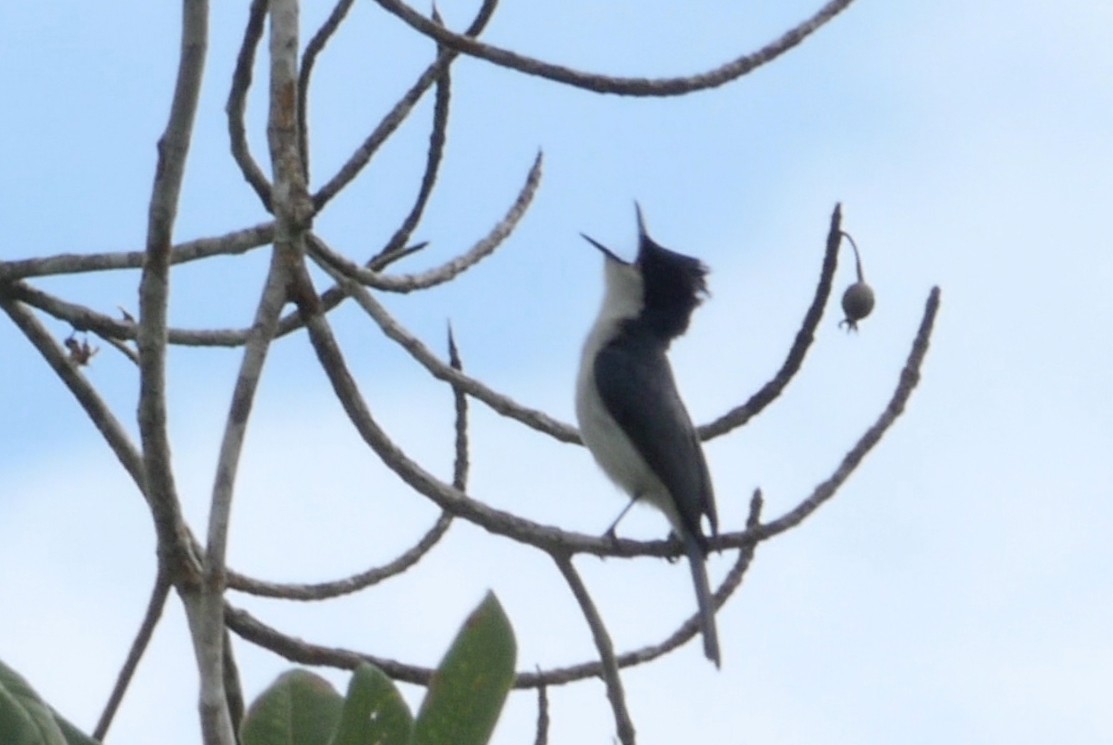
(633, 369)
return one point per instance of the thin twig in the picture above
(251, 629)
(335, 295)
(909, 377)
(243, 396)
(304, 652)
(690, 628)
(433, 156)
(618, 85)
(236, 242)
(237, 103)
(308, 59)
(609, 666)
(83, 318)
(795, 358)
(397, 114)
(155, 605)
(348, 585)
(504, 405)
(233, 689)
(450, 269)
(86, 319)
(542, 737)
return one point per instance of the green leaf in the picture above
(299, 708)
(374, 712)
(24, 718)
(73, 735)
(467, 692)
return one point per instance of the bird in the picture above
(630, 413)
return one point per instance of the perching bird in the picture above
(630, 414)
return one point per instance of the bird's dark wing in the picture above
(631, 371)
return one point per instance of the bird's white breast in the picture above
(612, 449)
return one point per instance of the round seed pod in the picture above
(857, 302)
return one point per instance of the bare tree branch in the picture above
(624, 726)
(201, 577)
(534, 418)
(804, 338)
(251, 629)
(154, 285)
(233, 690)
(348, 585)
(398, 114)
(315, 46)
(83, 318)
(237, 103)
(290, 204)
(297, 650)
(909, 377)
(443, 97)
(155, 605)
(236, 242)
(450, 269)
(542, 737)
(617, 85)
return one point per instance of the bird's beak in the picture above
(606, 251)
(642, 232)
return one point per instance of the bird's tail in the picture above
(697, 559)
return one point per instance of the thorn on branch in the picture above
(757, 502)
(462, 463)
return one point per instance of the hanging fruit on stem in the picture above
(857, 301)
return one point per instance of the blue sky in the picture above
(958, 588)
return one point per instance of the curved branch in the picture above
(315, 46)
(155, 605)
(450, 269)
(255, 631)
(122, 348)
(78, 316)
(236, 242)
(624, 726)
(83, 318)
(86, 319)
(804, 338)
(154, 287)
(443, 97)
(348, 585)
(237, 103)
(504, 405)
(251, 629)
(618, 85)
(444, 495)
(909, 377)
(362, 580)
(542, 737)
(398, 114)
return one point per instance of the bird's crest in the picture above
(673, 282)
